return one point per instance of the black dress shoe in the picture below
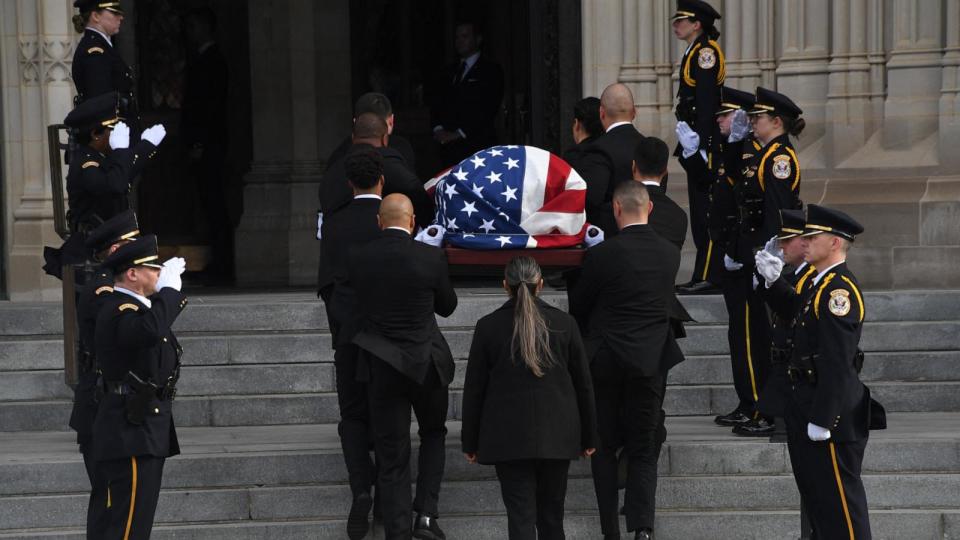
(643, 534)
(358, 521)
(760, 427)
(426, 527)
(700, 287)
(735, 418)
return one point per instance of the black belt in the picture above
(164, 393)
(780, 355)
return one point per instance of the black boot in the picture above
(358, 522)
(761, 427)
(734, 418)
(426, 527)
(643, 534)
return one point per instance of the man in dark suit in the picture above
(400, 284)
(354, 225)
(608, 160)
(623, 295)
(378, 104)
(586, 129)
(369, 129)
(467, 99)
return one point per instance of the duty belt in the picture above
(779, 355)
(805, 375)
(164, 393)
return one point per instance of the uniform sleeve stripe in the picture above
(722, 71)
(816, 300)
(803, 280)
(104, 289)
(686, 67)
(773, 148)
(856, 291)
(796, 161)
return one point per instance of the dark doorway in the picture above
(173, 199)
(398, 47)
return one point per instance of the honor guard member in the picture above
(702, 71)
(97, 66)
(769, 182)
(104, 164)
(828, 408)
(139, 358)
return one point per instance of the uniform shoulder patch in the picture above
(707, 58)
(104, 289)
(124, 307)
(839, 303)
(91, 163)
(781, 167)
(95, 50)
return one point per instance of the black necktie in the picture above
(459, 78)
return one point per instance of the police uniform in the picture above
(134, 432)
(702, 72)
(826, 391)
(98, 68)
(98, 185)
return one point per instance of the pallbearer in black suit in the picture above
(608, 160)
(623, 294)
(378, 104)
(467, 98)
(139, 358)
(828, 408)
(702, 72)
(528, 404)
(97, 66)
(353, 226)
(586, 129)
(401, 285)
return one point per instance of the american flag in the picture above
(510, 197)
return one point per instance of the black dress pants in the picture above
(131, 491)
(354, 426)
(392, 395)
(629, 415)
(533, 492)
(706, 262)
(748, 334)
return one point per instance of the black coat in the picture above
(335, 191)
(98, 185)
(510, 414)
(205, 93)
(702, 72)
(98, 69)
(400, 285)
(470, 105)
(670, 222)
(395, 142)
(131, 337)
(575, 155)
(605, 163)
(623, 295)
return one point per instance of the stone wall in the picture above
(879, 83)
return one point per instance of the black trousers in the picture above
(533, 492)
(748, 334)
(354, 426)
(131, 489)
(629, 415)
(699, 198)
(392, 395)
(828, 478)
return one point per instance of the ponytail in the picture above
(531, 336)
(712, 32)
(794, 126)
(80, 21)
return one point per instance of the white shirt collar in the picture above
(617, 124)
(106, 37)
(632, 224)
(368, 196)
(398, 229)
(470, 61)
(800, 268)
(823, 272)
(143, 299)
(650, 183)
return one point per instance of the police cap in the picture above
(792, 223)
(100, 111)
(697, 10)
(771, 102)
(93, 5)
(821, 219)
(732, 99)
(122, 226)
(141, 252)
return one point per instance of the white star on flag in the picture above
(461, 175)
(504, 240)
(452, 224)
(512, 164)
(450, 190)
(478, 190)
(487, 226)
(494, 177)
(494, 152)
(469, 208)
(477, 162)
(510, 193)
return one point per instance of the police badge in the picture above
(839, 302)
(781, 167)
(707, 58)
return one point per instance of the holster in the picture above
(138, 401)
(801, 369)
(858, 361)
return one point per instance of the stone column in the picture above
(300, 87)
(640, 66)
(740, 40)
(950, 90)
(913, 74)
(602, 49)
(37, 50)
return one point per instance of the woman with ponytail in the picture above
(528, 405)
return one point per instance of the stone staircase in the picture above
(261, 458)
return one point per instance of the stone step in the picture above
(48, 463)
(670, 525)
(313, 408)
(301, 311)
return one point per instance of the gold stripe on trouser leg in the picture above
(843, 497)
(753, 380)
(133, 497)
(706, 262)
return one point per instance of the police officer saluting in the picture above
(139, 358)
(828, 408)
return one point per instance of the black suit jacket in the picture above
(395, 142)
(670, 222)
(470, 105)
(400, 285)
(623, 294)
(575, 155)
(605, 163)
(98, 69)
(335, 191)
(132, 337)
(508, 412)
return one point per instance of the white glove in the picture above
(154, 134)
(120, 136)
(740, 127)
(432, 235)
(817, 433)
(594, 236)
(319, 225)
(773, 247)
(170, 274)
(768, 266)
(756, 282)
(689, 139)
(730, 264)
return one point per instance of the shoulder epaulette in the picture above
(104, 289)
(124, 307)
(95, 50)
(90, 163)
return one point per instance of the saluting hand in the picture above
(120, 136)
(154, 134)
(689, 139)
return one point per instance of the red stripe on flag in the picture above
(560, 240)
(570, 200)
(557, 172)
